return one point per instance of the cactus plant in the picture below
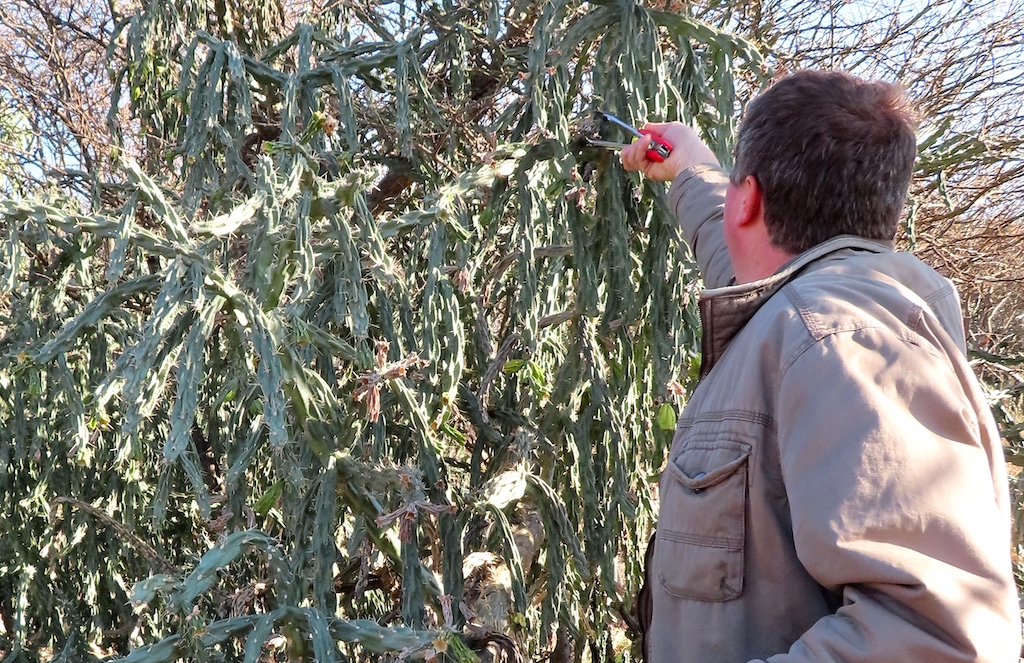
(353, 308)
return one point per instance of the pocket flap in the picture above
(702, 528)
(701, 467)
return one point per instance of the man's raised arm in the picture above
(697, 195)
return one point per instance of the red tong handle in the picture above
(660, 148)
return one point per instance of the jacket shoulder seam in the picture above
(909, 337)
(911, 334)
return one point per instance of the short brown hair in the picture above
(833, 155)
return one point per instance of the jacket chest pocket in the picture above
(701, 530)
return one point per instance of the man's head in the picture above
(831, 155)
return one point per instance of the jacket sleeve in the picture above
(697, 197)
(898, 501)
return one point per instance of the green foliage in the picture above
(362, 354)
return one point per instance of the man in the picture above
(836, 488)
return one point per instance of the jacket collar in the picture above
(725, 311)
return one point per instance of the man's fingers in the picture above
(687, 150)
(634, 156)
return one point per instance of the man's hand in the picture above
(687, 150)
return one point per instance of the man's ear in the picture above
(750, 202)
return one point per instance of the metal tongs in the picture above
(659, 147)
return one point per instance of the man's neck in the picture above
(760, 262)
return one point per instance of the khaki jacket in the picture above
(836, 489)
